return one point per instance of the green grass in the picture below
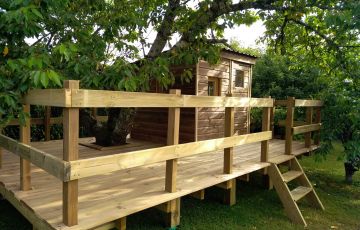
(256, 208)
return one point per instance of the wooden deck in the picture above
(106, 198)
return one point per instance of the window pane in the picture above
(239, 78)
(211, 88)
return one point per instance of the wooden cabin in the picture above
(232, 75)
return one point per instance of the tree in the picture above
(98, 41)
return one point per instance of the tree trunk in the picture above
(114, 131)
(349, 172)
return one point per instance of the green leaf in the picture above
(36, 77)
(44, 79)
(54, 77)
(37, 13)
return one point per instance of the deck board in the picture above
(105, 198)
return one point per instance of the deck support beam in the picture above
(70, 153)
(173, 216)
(25, 165)
(289, 125)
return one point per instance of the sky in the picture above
(247, 35)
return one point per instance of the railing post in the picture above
(289, 125)
(272, 118)
(317, 121)
(309, 116)
(47, 124)
(266, 126)
(229, 131)
(70, 153)
(266, 120)
(173, 216)
(230, 192)
(1, 153)
(25, 165)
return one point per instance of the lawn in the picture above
(256, 208)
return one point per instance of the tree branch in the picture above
(165, 29)
(328, 40)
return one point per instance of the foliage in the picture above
(98, 41)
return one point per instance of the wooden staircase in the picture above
(290, 197)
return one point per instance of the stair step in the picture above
(291, 175)
(300, 192)
(281, 159)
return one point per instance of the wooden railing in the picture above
(47, 121)
(70, 169)
(299, 127)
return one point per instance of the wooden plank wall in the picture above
(151, 123)
(211, 120)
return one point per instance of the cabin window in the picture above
(213, 87)
(239, 78)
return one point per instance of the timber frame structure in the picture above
(94, 190)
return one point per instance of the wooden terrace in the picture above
(62, 184)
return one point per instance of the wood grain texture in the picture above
(106, 198)
(172, 139)
(229, 131)
(70, 153)
(317, 120)
(41, 159)
(309, 121)
(106, 164)
(308, 103)
(289, 125)
(266, 122)
(25, 167)
(306, 128)
(48, 97)
(105, 98)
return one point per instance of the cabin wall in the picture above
(150, 124)
(210, 121)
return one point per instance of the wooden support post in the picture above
(317, 120)
(173, 217)
(266, 124)
(25, 165)
(70, 153)
(229, 131)
(47, 124)
(1, 157)
(199, 194)
(94, 112)
(120, 224)
(289, 125)
(230, 193)
(309, 116)
(272, 119)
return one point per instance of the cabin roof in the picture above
(238, 53)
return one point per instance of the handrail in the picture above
(84, 98)
(299, 127)
(41, 159)
(71, 168)
(115, 162)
